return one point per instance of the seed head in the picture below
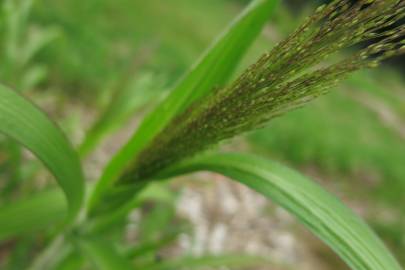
(283, 79)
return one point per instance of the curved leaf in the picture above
(321, 212)
(212, 70)
(28, 125)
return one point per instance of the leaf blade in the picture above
(212, 70)
(321, 212)
(28, 125)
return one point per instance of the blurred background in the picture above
(81, 60)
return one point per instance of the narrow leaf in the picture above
(212, 70)
(321, 212)
(30, 214)
(28, 125)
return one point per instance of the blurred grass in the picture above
(101, 39)
(352, 137)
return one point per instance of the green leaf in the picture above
(103, 255)
(30, 214)
(28, 125)
(321, 212)
(212, 70)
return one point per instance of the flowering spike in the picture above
(282, 80)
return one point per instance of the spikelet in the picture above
(281, 80)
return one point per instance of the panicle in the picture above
(283, 79)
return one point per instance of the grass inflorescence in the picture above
(283, 79)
